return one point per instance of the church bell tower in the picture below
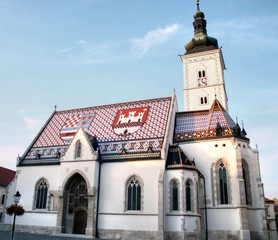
(203, 67)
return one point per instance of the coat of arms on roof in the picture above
(73, 123)
(128, 121)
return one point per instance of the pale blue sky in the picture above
(78, 53)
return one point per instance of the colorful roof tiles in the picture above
(204, 124)
(133, 126)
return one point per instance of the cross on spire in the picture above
(197, 3)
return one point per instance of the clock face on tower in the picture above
(202, 82)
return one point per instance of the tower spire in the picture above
(197, 3)
(201, 41)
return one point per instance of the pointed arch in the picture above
(174, 189)
(75, 203)
(76, 171)
(78, 149)
(189, 190)
(133, 193)
(247, 182)
(223, 182)
(41, 194)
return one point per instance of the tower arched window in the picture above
(223, 184)
(41, 194)
(203, 100)
(175, 195)
(78, 148)
(188, 193)
(134, 194)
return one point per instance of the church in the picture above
(144, 169)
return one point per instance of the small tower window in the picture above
(202, 73)
(202, 79)
(203, 100)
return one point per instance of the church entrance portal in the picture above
(75, 205)
(80, 222)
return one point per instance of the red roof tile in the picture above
(6, 176)
(267, 200)
(134, 126)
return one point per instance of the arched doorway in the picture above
(75, 205)
(80, 222)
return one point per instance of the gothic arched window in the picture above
(41, 194)
(175, 195)
(133, 194)
(78, 147)
(223, 184)
(188, 195)
(247, 185)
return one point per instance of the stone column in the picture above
(160, 234)
(91, 221)
(60, 205)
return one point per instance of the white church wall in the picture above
(181, 220)
(114, 177)
(253, 216)
(206, 154)
(38, 219)
(223, 219)
(135, 222)
(10, 191)
(29, 176)
(173, 223)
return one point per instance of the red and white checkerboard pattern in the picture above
(72, 121)
(101, 125)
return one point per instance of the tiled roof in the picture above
(267, 200)
(176, 158)
(6, 176)
(133, 126)
(204, 124)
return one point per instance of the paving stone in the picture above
(6, 235)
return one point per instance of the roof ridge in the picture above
(216, 105)
(113, 104)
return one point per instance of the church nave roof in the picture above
(131, 127)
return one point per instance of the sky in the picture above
(80, 53)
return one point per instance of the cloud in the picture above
(9, 155)
(247, 32)
(85, 53)
(31, 123)
(153, 38)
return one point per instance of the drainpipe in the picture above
(98, 193)
(205, 196)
